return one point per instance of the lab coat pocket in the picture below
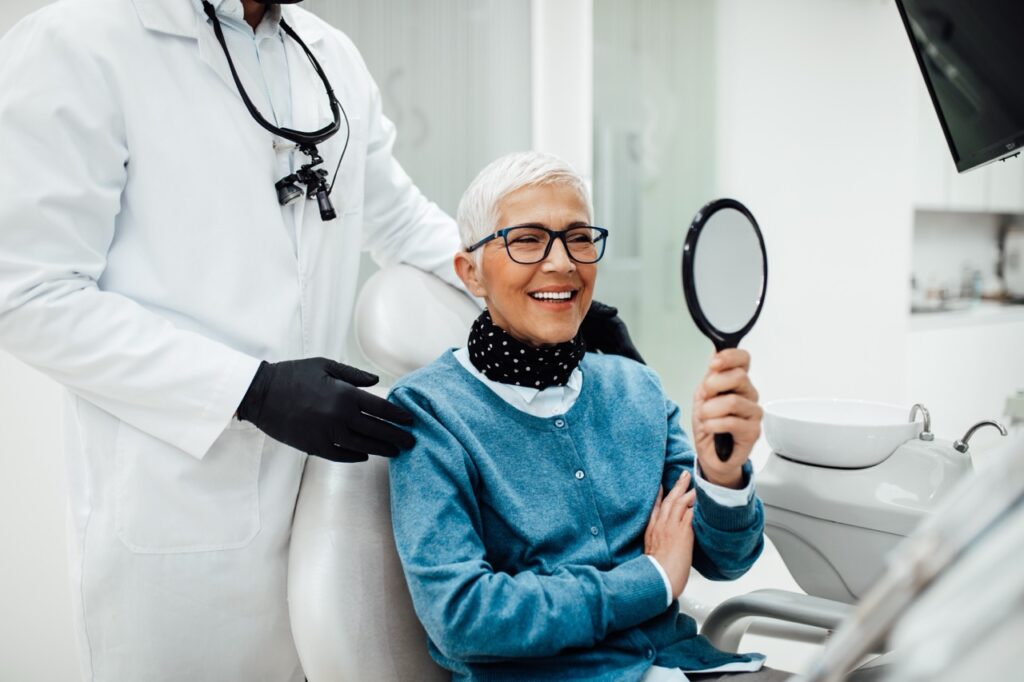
(168, 501)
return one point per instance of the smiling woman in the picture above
(552, 507)
(544, 301)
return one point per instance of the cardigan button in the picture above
(580, 474)
(559, 423)
(594, 530)
(649, 652)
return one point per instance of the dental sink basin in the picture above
(837, 433)
(847, 481)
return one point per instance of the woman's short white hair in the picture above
(478, 210)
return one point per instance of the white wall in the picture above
(815, 136)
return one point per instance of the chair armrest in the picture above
(727, 623)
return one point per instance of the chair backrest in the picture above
(351, 615)
(405, 318)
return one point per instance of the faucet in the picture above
(961, 445)
(926, 433)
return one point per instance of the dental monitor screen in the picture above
(972, 57)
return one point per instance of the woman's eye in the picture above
(580, 239)
(526, 240)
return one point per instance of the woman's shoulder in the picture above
(435, 380)
(621, 373)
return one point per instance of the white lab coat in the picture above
(145, 264)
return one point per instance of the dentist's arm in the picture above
(63, 156)
(472, 611)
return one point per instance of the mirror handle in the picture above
(723, 445)
(723, 441)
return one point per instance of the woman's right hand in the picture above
(669, 535)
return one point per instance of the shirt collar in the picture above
(232, 10)
(174, 17)
(530, 394)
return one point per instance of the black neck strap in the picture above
(303, 139)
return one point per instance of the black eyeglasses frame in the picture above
(503, 233)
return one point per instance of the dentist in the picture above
(185, 189)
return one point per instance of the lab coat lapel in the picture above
(179, 18)
(172, 18)
(212, 55)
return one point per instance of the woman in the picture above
(549, 514)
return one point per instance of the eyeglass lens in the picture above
(530, 244)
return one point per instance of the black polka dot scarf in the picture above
(502, 358)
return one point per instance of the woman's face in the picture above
(513, 290)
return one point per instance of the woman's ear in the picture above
(469, 272)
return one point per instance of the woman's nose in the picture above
(558, 258)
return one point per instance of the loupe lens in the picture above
(287, 192)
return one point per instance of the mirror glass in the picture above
(728, 270)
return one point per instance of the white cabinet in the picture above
(968, 191)
(1006, 185)
(963, 366)
(997, 187)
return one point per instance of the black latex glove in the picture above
(605, 332)
(314, 405)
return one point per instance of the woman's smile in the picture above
(555, 298)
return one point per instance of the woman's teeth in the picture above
(552, 295)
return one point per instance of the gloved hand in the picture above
(314, 405)
(605, 332)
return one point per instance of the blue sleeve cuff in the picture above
(725, 517)
(637, 592)
(664, 577)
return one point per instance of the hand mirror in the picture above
(725, 274)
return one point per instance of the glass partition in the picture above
(654, 129)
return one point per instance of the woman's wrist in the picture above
(732, 478)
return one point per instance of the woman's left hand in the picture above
(737, 413)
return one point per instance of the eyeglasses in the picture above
(529, 244)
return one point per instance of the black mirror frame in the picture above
(722, 340)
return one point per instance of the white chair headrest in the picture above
(405, 318)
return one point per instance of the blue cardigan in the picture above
(522, 537)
